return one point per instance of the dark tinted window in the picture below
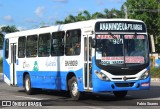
(21, 46)
(6, 48)
(73, 42)
(31, 47)
(44, 45)
(57, 43)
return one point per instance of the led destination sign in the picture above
(120, 26)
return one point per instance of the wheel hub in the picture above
(74, 88)
(27, 84)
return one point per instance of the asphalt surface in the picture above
(60, 99)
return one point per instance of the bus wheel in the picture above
(120, 94)
(27, 85)
(73, 88)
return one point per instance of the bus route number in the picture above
(117, 41)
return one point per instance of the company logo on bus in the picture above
(71, 63)
(124, 78)
(26, 65)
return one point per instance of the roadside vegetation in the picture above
(1, 63)
(155, 72)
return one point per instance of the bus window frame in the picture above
(24, 47)
(35, 55)
(62, 44)
(72, 46)
(44, 35)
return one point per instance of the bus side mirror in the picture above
(93, 43)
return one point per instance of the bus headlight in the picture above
(102, 76)
(145, 75)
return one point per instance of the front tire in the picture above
(120, 94)
(27, 85)
(73, 88)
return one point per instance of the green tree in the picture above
(5, 30)
(85, 15)
(1, 40)
(80, 17)
(97, 15)
(9, 29)
(147, 11)
(59, 22)
(113, 13)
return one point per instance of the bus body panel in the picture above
(46, 72)
(6, 71)
(49, 79)
(6, 67)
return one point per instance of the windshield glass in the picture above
(123, 49)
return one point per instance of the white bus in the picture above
(89, 56)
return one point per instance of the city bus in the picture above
(98, 56)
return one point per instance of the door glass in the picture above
(85, 49)
(90, 48)
(90, 75)
(14, 54)
(11, 53)
(85, 74)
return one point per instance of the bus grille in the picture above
(124, 84)
(128, 78)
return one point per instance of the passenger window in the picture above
(44, 45)
(6, 48)
(73, 42)
(57, 43)
(31, 47)
(21, 47)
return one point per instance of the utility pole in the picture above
(125, 11)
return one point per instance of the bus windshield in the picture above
(124, 49)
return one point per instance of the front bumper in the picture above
(104, 86)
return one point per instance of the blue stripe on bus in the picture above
(50, 79)
(6, 68)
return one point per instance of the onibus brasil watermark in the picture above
(8, 103)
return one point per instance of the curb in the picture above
(155, 79)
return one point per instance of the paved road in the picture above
(59, 99)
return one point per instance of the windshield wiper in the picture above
(112, 35)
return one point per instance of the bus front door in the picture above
(13, 63)
(87, 63)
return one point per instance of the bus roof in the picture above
(64, 27)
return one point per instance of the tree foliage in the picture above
(147, 11)
(85, 15)
(4, 30)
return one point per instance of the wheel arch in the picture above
(24, 74)
(69, 76)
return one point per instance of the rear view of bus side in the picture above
(90, 56)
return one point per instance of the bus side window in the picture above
(21, 46)
(57, 43)
(6, 48)
(31, 46)
(44, 45)
(73, 42)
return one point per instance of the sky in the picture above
(29, 14)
